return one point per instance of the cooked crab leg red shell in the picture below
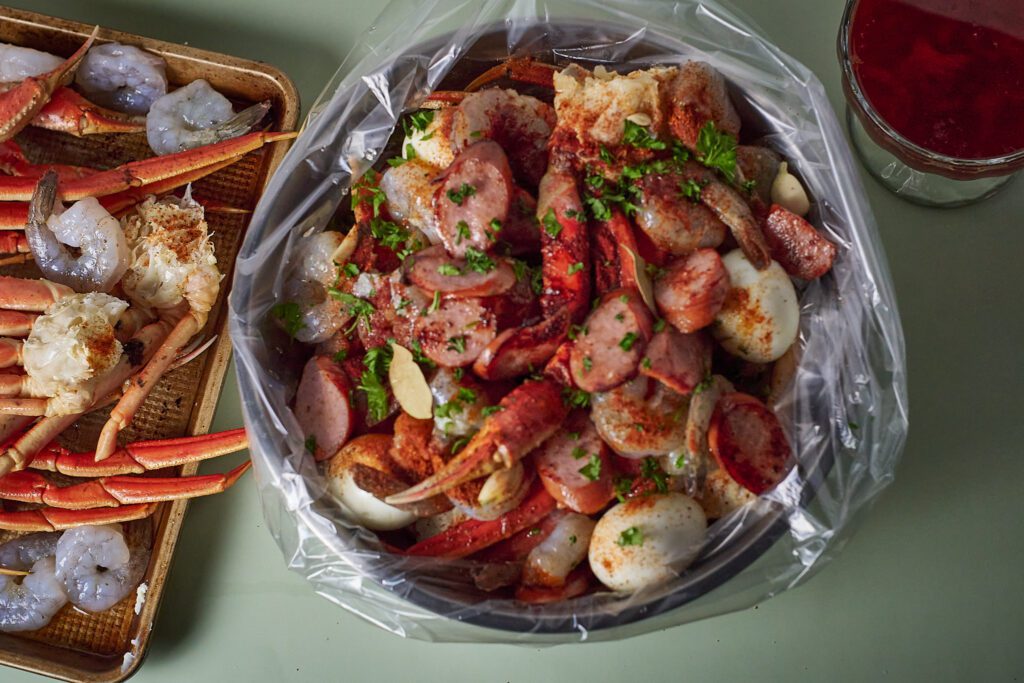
(68, 112)
(136, 174)
(14, 162)
(529, 414)
(126, 496)
(21, 104)
(519, 69)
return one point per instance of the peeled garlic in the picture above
(409, 385)
(643, 280)
(788, 193)
(640, 119)
(347, 247)
(501, 485)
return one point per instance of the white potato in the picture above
(365, 508)
(761, 316)
(646, 541)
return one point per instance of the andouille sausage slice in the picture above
(521, 350)
(322, 406)
(520, 230)
(692, 290)
(748, 442)
(679, 361)
(433, 270)
(797, 245)
(456, 332)
(609, 347)
(475, 191)
(575, 466)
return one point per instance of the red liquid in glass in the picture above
(947, 75)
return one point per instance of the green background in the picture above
(929, 589)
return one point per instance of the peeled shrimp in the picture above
(23, 552)
(86, 226)
(314, 273)
(641, 417)
(122, 77)
(18, 63)
(196, 115)
(31, 603)
(96, 566)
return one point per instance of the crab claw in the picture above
(529, 414)
(20, 104)
(55, 519)
(68, 112)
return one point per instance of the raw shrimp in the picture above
(31, 603)
(23, 552)
(96, 566)
(122, 77)
(86, 226)
(196, 115)
(314, 274)
(18, 63)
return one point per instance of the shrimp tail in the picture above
(41, 241)
(239, 124)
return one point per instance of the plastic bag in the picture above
(848, 404)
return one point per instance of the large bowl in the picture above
(847, 404)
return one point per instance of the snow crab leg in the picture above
(21, 104)
(68, 112)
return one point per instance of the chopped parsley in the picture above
(605, 155)
(478, 261)
(458, 196)
(646, 363)
(340, 355)
(551, 225)
(573, 436)
(572, 539)
(704, 385)
(623, 485)
(435, 303)
(457, 373)
(447, 409)
(537, 280)
(592, 470)
(376, 394)
(576, 267)
(578, 453)
(460, 443)
(390, 235)
(650, 469)
(421, 119)
(627, 342)
(466, 395)
(717, 150)
(290, 315)
(457, 344)
(417, 354)
(575, 398)
(311, 444)
(396, 161)
(462, 232)
(631, 536)
(691, 189)
(495, 225)
(358, 308)
(588, 364)
(491, 410)
(448, 269)
(749, 185)
(533, 532)
(351, 269)
(681, 461)
(639, 137)
(519, 267)
(659, 324)
(576, 330)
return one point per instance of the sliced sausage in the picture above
(558, 367)
(748, 442)
(673, 222)
(679, 361)
(612, 341)
(456, 332)
(322, 406)
(521, 231)
(559, 462)
(692, 290)
(475, 190)
(522, 350)
(433, 270)
(797, 245)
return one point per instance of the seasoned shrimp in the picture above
(641, 417)
(122, 77)
(196, 115)
(31, 603)
(314, 274)
(86, 226)
(96, 567)
(18, 63)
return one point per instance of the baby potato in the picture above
(366, 509)
(761, 317)
(646, 541)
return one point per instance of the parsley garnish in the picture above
(587, 364)
(576, 267)
(491, 410)
(394, 162)
(351, 269)
(359, 308)
(576, 330)
(390, 235)
(646, 363)
(478, 261)
(631, 536)
(652, 470)
(578, 453)
(592, 470)
(435, 303)
(460, 195)
(573, 436)
(457, 344)
(749, 185)
(691, 189)
(537, 280)
(311, 444)
(462, 232)
(716, 149)
(628, 341)
(421, 119)
(575, 398)
(572, 540)
(466, 395)
(340, 355)
(376, 395)
(606, 156)
(623, 485)
(448, 269)
(457, 374)
(290, 315)
(681, 461)
(551, 225)
(659, 324)
(704, 385)
(638, 136)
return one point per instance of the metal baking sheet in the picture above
(76, 646)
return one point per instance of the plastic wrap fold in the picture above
(847, 409)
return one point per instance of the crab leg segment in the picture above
(13, 242)
(16, 323)
(10, 354)
(14, 162)
(20, 104)
(519, 69)
(19, 294)
(145, 172)
(142, 456)
(32, 487)
(69, 112)
(56, 519)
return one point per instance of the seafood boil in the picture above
(553, 341)
(130, 276)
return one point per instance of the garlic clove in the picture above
(409, 385)
(788, 193)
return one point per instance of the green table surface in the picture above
(929, 588)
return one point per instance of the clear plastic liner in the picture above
(846, 413)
